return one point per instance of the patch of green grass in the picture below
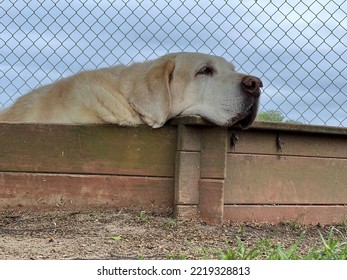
(206, 253)
(331, 248)
(242, 252)
(176, 257)
(143, 217)
(116, 237)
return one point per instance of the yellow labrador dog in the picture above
(151, 92)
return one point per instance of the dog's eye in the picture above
(206, 70)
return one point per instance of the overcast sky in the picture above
(299, 50)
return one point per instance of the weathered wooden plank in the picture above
(284, 143)
(211, 198)
(267, 126)
(314, 145)
(36, 190)
(308, 214)
(105, 149)
(299, 128)
(213, 153)
(256, 179)
(251, 142)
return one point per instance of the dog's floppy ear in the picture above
(151, 98)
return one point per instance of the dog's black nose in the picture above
(251, 85)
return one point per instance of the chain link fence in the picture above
(298, 48)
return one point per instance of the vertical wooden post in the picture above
(212, 174)
(200, 173)
(187, 172)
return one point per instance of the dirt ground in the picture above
(122, 234)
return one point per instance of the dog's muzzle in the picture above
(250, 86)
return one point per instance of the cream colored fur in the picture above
(150, 92)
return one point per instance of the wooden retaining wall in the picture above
(86, 166)
(270, 173)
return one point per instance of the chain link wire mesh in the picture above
(298, 48)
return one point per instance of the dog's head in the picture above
(196, 84)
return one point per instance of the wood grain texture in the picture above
(67, 191)
(88, 149)
(213, 153)
(299, 128)
(296, 144)
(255, 179)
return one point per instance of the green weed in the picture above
(143, 217)
(331, 248)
